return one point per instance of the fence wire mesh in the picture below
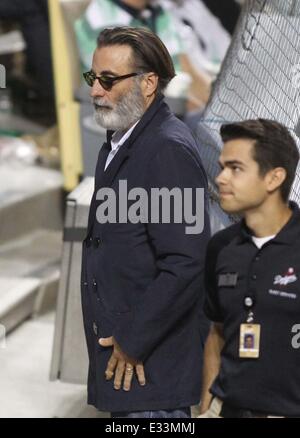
(260, 77)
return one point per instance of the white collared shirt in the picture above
(118, 138)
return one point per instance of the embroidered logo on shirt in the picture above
(289, 277)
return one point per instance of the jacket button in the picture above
(96, 242)
(254, 277)
(89, 241)
(94, 285)
(85, 283)
(95, 328)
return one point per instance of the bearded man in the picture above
(142, 289)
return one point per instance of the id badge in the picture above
(249, 340)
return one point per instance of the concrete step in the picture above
(31, 218)
(29, 275)
(17, 300)
(31, 255)
(31, 197)
(26, 391)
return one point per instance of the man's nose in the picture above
(222, 178)
(97, 90)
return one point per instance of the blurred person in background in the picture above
(204, 39)
(227, 11)
(36, 89)
(142, 13)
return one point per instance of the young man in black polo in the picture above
(253, 278)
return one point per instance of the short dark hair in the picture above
(273, 147)
(150, 53)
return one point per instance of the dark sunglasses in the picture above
(107, 82)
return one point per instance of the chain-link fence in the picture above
(260, 77)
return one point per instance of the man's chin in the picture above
(110, 126)
(101, 121)
(229, 208)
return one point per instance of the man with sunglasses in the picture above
(141, 280)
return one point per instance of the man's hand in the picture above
(122, 366)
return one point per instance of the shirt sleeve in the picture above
(211, 303)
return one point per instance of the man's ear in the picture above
(150, 84)
(275, 178)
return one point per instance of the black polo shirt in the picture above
(271, 383)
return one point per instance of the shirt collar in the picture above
(287, 234)
(119, 137)
(158, 104)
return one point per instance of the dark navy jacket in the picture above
(142, 283)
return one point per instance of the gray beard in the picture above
(127, 111)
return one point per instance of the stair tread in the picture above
(31, 255)
(15, 290)
(30, 182)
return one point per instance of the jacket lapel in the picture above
(102, 157)
(125, 150)
(106, 178)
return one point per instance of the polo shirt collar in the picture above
(286, 235)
